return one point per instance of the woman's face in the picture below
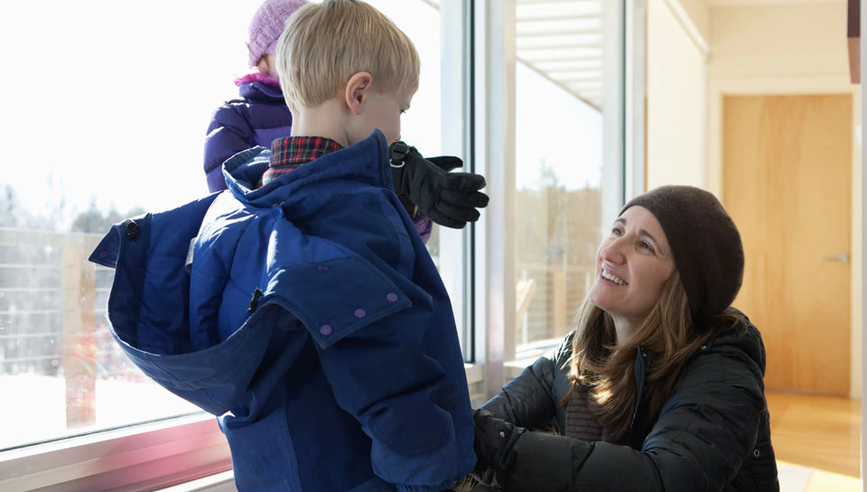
(632, 265)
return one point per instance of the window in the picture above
(559, 168)
(429, 124)
(559, 163)
(114, 126)
(438, 124)
(554, 142)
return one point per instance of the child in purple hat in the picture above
(260, 114)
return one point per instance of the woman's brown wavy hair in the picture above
(607, 370)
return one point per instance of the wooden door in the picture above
(787, 186)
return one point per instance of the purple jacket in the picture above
(255, 119)
(258, 117)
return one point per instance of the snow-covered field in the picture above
(33, 408)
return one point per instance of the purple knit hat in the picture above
(267, 26)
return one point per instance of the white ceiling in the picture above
(562, 40)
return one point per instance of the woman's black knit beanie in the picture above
(705, 243)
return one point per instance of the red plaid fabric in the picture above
(287, 153)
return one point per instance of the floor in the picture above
(817, 442)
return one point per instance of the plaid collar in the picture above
(287, 153)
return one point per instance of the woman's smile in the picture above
(612, 277)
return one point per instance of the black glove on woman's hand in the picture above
(449, 199)
(494, 440)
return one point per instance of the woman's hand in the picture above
(494, 440)
(465, 484)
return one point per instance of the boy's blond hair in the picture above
(325, 44)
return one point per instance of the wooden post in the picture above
(525, 291)
(559, 303)
(79, 340)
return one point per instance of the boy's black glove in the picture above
(494, 440)
(449, 199)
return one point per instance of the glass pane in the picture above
(559, 163)
(56, 351)
(420, 126)
(114, 127)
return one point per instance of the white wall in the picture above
(676, 100)
(785, 49)
(798, 40)
(699, 13)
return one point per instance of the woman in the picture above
(660, 387)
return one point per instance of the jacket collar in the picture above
(260, 90)
(365, 162)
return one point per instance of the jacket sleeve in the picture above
(400, 396)
(528, 399)
(389, 363)
(228, 134)
(703, 435)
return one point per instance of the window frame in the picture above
(494, 131)
(146, 456)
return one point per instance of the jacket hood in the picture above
(365, 162)
(742, 335)
(260, 87)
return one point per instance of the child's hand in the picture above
(449, 199)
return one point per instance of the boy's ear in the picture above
(357, 90)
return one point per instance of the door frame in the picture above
(718, 89)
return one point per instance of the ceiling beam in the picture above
(765, 3)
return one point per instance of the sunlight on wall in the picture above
(676, 101)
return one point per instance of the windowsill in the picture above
(528, 355)
(512, 368)
(475, 373)
(141, 457)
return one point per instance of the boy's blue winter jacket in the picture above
(311, 320)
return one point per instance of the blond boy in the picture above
(345, 70)
(312, 320)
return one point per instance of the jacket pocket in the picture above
(335, 298)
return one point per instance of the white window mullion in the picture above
(495, 159)
(454, 243)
